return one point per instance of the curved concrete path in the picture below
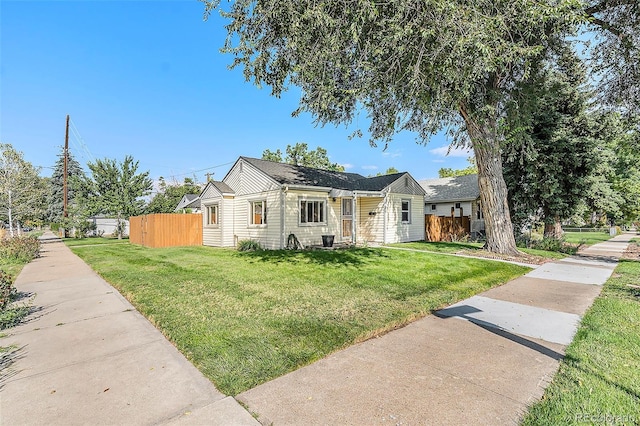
(88, 357)
(482, 361)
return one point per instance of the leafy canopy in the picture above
(168, 196)
(115, 188)
(300, 155)
(547, 167)
(22, 190)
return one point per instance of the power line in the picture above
(200, 170)
(81, 145)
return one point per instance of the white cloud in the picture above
(446, 151)
(391, 154)
(370, 167)
(347, 166)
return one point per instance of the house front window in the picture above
(212, 214)
(312, 211)
(259, 212)
(434, 207)
(406, 211)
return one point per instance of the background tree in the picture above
(168, 196)
(547, 166)
(420, 66)
(471, 169)
(55, 197)
(615, 25)
(614, 191)
(300, 155)
(22, 190)
(115, 188)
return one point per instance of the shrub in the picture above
(6, 289)
(548, 244)
(23, 249)
(249, 245)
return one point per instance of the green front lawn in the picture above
(246, 318)
(599, 379)
(587, 238)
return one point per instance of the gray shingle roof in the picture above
(222, 187)
(289, 174)
(460, 188)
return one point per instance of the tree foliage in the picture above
(614, 191)
(168, 196)
(471, 169)
(616, 50)
(114, 188)
(55, 197)
(300, 155)
(548, 165)
(22, 190)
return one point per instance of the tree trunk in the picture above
(554, 229)
(493, 189)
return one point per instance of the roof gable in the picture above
(459, 188)
(215, 188)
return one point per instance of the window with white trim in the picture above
(258, 212)
(212, 214)
(405, 211)
(434, 207)
(312, 211)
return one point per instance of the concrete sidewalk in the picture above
(88, 357)
(482, 361)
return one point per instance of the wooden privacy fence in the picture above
(442, 228)
(166, 230)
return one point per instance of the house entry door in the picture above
(347, 219)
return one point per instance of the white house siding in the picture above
(406, 185)
(267, 235)
(444, 209)
(245, 179)
(311, 234)
(227, 211)
(396, 231)
(370, 214)
(211, 234)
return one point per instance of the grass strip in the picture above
(588, 238)
(469, 248)
(599, 379)
(246, 318)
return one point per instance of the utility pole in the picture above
(65, 185)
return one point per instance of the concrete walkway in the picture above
(482, 361)
(88, 357)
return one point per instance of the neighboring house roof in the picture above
(189, 201)
(460, 188)
(289, 174)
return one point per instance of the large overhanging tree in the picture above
(414, 65)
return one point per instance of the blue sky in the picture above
(146, 78)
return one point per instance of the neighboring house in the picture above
(267, 201)
(454, 196)
(189, 202)
(107, 226)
